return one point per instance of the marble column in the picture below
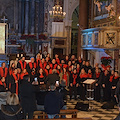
(19, 25)
(32, 16)
(83, 22)
(26, 16)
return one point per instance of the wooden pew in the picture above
(43, 115)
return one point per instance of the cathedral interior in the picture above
(86, 28)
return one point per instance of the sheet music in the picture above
(89, 81)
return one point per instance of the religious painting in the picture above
(96, 38)
(110, 39)
(100, 9)
(90, 39)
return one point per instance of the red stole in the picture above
(38, 61)
(10, 71)
(43, 65)
(65, 78)
(111, 78)
(78, 69)
(23, 67)
(23, 74)
(48, 71)
(16, 79)
(97, 75)
(74, 78)
(89, 75)
(30, 65)
(3, 83)
(80, 61)
(2, 72)
(41, 76)
(83, 75)
(57, 60)
(116, 77)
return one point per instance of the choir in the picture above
(73, 71)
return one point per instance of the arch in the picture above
(73, 6)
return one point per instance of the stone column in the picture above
(19, 25)
(32, 16)
(83, 21)
(26, 16)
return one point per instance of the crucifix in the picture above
(4, 19)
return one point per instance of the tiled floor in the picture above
(97, 113)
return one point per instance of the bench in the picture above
(43, 115)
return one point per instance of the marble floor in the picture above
(97, 113)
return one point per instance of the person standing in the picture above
(27, 97)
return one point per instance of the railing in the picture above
(104, 37)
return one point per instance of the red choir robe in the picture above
(31, 67)
(53, 66)
(22, 66)
(47, 72)
(22, 75)
(43, 65)
(2, 73)
(15, 85)
(38, 61)
(57, 60)
(3, 84)
(111, 78)
(89, 75)
(63, 66)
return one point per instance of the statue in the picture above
(98, 3)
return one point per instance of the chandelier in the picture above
(57, 11)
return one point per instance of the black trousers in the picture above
(97, 93)
(73, 91)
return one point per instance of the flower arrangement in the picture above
(106, 61)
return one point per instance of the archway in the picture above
(74, 30)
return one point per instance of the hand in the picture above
(113, 87)
(96, 84)
(41, 82)
(83, 85)
(77, 85)
(115, 96)
(6, 88)
(71, 84)
(103, 85)
(16, 81)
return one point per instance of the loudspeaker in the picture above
(82, 106)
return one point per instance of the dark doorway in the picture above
(58, 51)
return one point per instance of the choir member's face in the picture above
(96, 65)
(78, 66)
(75, 71)
(116, 74)
(40, 71)
(62, 61)
(23, 58)
(108, 68)
(82, 71)
(18, 70)
(79, 58)
(64, 70)
(46, 59)
(73, 62)
(106, 72)
(47, 67)
(48, 55)
(87, 63)
(66, 57)
(3, 65)
(69, 63)
(73, 56)
(53, 61)
(56, 55)
(15, 71)
(43, 60)
(97, 70)
(13, 65)
(83, 63)
(3, 79)
(70, 69)
(32, 60)
(112, 72)
(89, 71)
(38, 56)
(58, 67)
